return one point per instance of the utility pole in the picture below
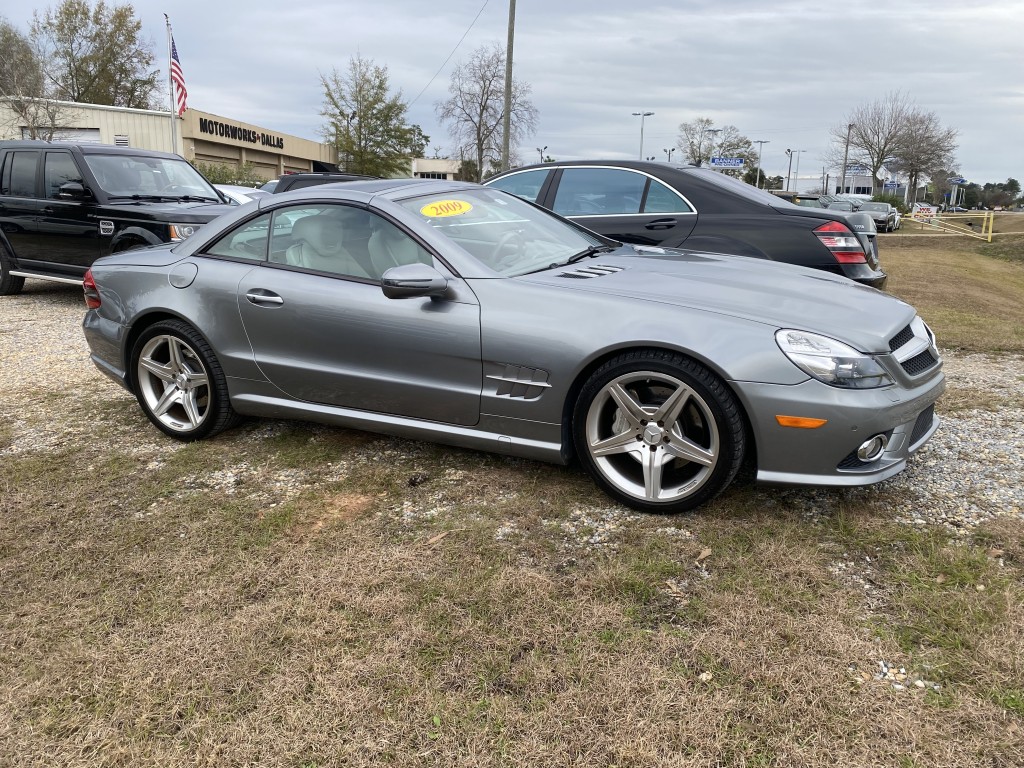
(506, 120)
(846, 158)
(789, 170)
(760, 147)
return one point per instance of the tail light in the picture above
(92, 293)
(839, 239)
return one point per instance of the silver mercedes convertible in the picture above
(460, 314)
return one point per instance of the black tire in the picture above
(179, 383)
(658, 431)
(9, 284)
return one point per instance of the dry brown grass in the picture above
(289, 595)
(972, 300)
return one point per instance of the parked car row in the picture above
(569, 327)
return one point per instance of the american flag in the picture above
(178, 78)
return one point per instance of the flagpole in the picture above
(170, 89)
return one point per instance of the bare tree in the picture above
(23, 90)
(474, 110)
(876, 132)
(699, 141)
(924, 144)
(96, 55)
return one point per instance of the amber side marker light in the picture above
(800, 422)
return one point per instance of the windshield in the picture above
(884, 207)
(501, 231)
(841, 205)
(130, 175)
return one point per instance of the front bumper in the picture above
(826, 456)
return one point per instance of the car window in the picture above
(599, 191)
(58, 168)
(19, 174)
(525, 184)
(342, 240)
(248, 241)
(661, 199)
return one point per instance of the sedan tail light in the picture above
(839, 239)
(92, 293)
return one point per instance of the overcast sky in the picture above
(784, 71)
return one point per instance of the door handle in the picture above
(661, 224)
(255, 297)
(48, 210)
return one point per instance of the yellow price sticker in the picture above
(443, 208)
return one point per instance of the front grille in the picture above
(901, 338)
(851, 462)
(919, 363)
(923, 424)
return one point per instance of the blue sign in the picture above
(890, 185)
(957, 180)
(727, 162)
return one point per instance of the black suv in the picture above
(62, 206)
(289, 182)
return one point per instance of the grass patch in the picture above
(968, 291)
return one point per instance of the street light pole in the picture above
(760, 148)
(789, 170)
(711, 150)
(669, 153)
(846, 158)
(796, 179)
(643, 116)
(542, 151)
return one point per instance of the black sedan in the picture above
(682, 206)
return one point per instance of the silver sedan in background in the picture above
(464, 315)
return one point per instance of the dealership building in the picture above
(200, 136)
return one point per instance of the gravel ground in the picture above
(971, 471)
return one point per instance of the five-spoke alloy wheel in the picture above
(658, 431)
(179, 383)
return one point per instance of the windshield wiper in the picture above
(187, 198)
(137, 197)
(586, 253)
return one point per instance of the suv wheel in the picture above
(9, 284)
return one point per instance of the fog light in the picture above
(872, 448)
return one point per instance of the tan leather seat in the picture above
(389, 247)
(319, 245)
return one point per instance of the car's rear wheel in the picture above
(9, 284)
(658, 431)
(179, 382)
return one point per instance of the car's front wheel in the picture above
(658, 431)
(9, 284)
(179, 382)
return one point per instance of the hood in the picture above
(775, 294)
(166, 210)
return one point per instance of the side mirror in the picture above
(72, 190)
(411, 281)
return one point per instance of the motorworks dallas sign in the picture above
(237, 133)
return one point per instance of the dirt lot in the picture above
(293, 595)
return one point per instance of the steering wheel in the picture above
(516, 237)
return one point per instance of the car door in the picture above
(19, 202)
(67, 232)
(322, 330)
(623, 204)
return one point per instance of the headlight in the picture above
(181, 231)
(831, 361)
